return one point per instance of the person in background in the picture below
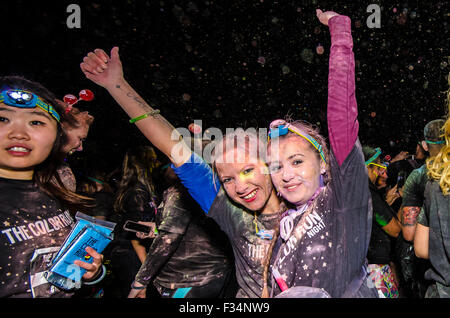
(190, 256)
(385, 227)
(432, 234)
(413, 268)
(94, 186)
(76, 126)
(135, 200)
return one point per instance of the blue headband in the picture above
(24, 99)
(282, 128)
(375, 156)
(435, 142)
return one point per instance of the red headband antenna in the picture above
(71, 100)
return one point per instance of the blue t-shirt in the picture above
(200, 180)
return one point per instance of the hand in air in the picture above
(324, 17)
(102, 69)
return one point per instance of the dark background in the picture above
(202, 60)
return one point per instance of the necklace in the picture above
(263, 234)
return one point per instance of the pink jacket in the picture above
(342, 108)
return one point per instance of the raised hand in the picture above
(102, 69)
(324, 17)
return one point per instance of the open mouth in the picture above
(18, 150)
(251, 196)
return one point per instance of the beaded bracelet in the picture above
(152, 113)
(98, 279)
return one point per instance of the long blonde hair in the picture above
(439, 166)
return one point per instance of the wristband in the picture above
(98, 279)
(152, 113)
(137, 287)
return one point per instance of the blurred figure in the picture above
(76, 126)
(190, 256)
(135, 200)
(412, 268)
(94, 186)
(385, 227)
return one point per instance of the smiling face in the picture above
(27, 136)
(247, 182)
(295, 168)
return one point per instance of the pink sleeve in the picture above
(342, 110)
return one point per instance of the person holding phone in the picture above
(190, 257)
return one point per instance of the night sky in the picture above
(235, 64)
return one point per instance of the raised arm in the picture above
(107, 72)
(194, 173)
(342, 109)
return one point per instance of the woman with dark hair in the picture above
(136, 200)
(37, 211)
(322, 243)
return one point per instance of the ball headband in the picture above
(71, 100)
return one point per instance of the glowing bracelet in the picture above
(98, 279)
(152, 113)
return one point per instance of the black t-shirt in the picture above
(33, 227)
(189, 250)
(413, 191)
(380, 246)
(249, 249)
(104, 202)
(435, 215)
(328, 245)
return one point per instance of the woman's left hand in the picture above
(92, 268)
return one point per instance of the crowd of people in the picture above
(297, 214)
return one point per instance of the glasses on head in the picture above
(280, 127)
(377, 165)
(24, 99)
